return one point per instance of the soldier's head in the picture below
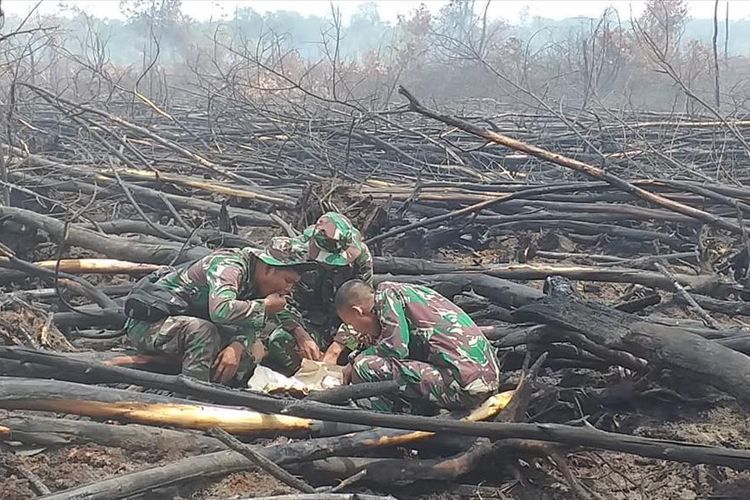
(278, 267)
(333, 241)
(355, 305)
(273, 279)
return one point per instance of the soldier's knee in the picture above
(204, 330)
(370, 369)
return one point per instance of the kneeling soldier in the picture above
(210, 313)
(420, 339)
(309, 327)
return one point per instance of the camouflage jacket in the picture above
(313, 297)
(420, 324)
(219, 287)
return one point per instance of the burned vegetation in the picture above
(603, 249)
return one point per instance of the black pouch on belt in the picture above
(151, 303)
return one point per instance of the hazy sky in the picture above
(390, 9)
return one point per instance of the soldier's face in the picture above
(361, 318)
(277, 280)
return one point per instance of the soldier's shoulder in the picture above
(227, 258)
(390, 286)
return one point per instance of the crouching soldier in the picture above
(420, 339)
(309, 325)
(210, 313)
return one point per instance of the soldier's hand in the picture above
(308, 349)
(258, 351)
(227, 362)
(347, 374)
(331, 357)
(274, 303)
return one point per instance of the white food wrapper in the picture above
(312, 376)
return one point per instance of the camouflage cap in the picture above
(333, 240)
(282, 252)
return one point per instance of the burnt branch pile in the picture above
(634, 222)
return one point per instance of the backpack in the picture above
(151, 303)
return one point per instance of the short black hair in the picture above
(352, 293)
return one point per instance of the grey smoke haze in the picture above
(510, 10)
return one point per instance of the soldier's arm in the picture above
(290, 318)
(346, 339)
(224, 278)
(364, 266)
(394, 329)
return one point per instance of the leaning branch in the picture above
(573, 164)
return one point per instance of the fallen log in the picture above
(405, 265)
(98, 266)
(359, 442)
(241, 215)
(110, 246)
(133, 483)
(501, 291)
(352, 392)
(45, 431)
(76, 369)
(700, 358)
(245, 192)
(134, 226)
(127, 485)
(224, 462)
(565, 434)
(728, 307)
(113, 319)
(72, 282)
(149, 409)
(587, 228)
(57, 432)
(545, 337)
(576, 165)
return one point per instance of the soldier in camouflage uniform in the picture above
(230, 295)
(414, 335)
(309, 325)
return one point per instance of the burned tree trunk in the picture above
(664, 346)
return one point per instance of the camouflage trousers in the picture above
(283, 355)
(195, 341)
(423, 388)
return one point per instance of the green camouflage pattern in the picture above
(431, 347)
(278, 254)
(194, 341)
(333, 240)
(220, 291)
(312, 303)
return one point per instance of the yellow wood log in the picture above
(204, 417)
(200, 417)
(488, 410)
(99, 266)
(204, 185)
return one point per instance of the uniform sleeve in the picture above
(364, 266)
(290, 318)
(394, 328)
(224, 277)
(348, 337)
